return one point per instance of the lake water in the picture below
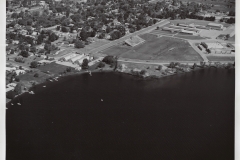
(182, 117)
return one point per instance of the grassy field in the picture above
(164, 48)
(162, 32)
(220, 58)
(53, 68)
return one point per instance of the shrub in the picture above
(18, 88)
(109, 59)
(19, 59)
(143, 72)
(85, 64)
(101, 65)
(68, 69)
(10, 94)
(78, 44)
(17, 79)
(24, 53)
(36, 75)
(33, 64)
(12, 51)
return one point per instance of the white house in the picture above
(20, 72)
(67, 57)
(76, 58)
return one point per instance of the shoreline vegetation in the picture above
(111, 64)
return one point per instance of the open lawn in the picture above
(148, 37)
(162, 32)
(221, 58)
(232, 39)
(53, 68)
(164, 49)
(29, 77)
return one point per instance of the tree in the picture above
(108, 29)
(12, 51)
(159, 67)
(64, 29)
(24, 54)
(194, 65)
(40, 39)
(78, 44)
(18, 88)
(52, 37)
(101, 65)
(83, 35)
(14, 15)
(17, 79)
(58, 28)
(36, 75)
(108, 59)
(33, 64)
(85, 64)
(33, 49)
(10, 94)
(143, 72)
(47, 47)
(68, 69)
(171, 65)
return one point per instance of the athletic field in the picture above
(163, 48)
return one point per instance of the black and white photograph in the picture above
(119, 79)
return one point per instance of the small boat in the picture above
(102, 100)
(44, 86)
(90, 73)
(31, 92)
(50, 80)
(12, 104)
(19, 104)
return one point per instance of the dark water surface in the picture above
(182, 117)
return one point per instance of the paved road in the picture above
(142, 31)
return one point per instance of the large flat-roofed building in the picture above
(188, 32)
(171, 29)
(215, 45)
(215, 26)
(69, 56)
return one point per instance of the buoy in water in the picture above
(101, 99)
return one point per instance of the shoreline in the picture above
(99, 70)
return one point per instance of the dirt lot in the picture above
(154, 48)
